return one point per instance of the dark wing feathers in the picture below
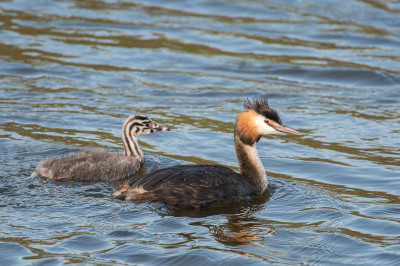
(190, 175)
(189, 186)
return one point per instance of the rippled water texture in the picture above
(72, 71)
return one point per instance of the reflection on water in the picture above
(72, 71)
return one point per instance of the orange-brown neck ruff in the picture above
(246, 127)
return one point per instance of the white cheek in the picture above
(263, 128)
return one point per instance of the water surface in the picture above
(72, 71)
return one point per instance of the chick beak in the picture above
(156, 127)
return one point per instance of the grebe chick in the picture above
(99, 164)
(194, 186)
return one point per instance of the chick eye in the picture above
(266, 121)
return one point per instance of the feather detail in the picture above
(245, 127)
(261, 107)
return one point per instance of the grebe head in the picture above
(259, 119)
(137, 125)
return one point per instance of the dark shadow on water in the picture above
(243, 208)
(238, 230)
(241, 226)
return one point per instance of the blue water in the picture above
(71, 72)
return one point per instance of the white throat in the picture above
(250, 166)
(257, 164)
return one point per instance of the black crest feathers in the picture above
(261, 107)
(257, 105)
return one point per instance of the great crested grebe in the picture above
(99, 164)
(194, 186)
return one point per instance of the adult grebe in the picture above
(99, 164)
(194, 186)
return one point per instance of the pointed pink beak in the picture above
(285, 129)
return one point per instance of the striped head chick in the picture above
(259, 119)
(133, 127)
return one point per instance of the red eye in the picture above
(266, 121)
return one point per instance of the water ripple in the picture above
(72, 71)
